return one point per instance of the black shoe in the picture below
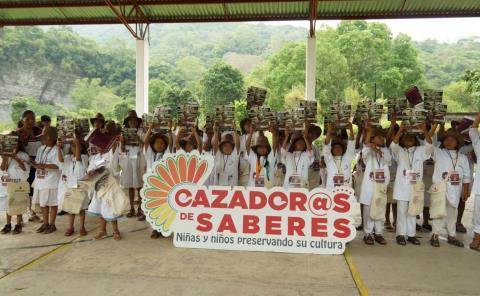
(6, 229)
(460, 228)
(413, 240)
(17, 229)
(359, 228)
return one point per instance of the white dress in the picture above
(314, 168)
(446, 162)
(71, 171)
(339, 165)
(373, 162)
(14, 172)
(408, 161)
(98, 206)
(131, 174)
(266, 164)
(46, 181)
(297, 164)
(226, 168)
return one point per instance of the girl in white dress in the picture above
(227, 153)
(475, 137)
(46, 180)
(188, 142)
(452, 168)
(297, 159)
(73, 167)
(14, 168)
(338, 158)
(131, 175)
(156, 145)
(377, 160)
(261, 158)
(409, 156)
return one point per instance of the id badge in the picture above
(454, 178)
(282, 167)
(41, 174)
(64, 179)
(411, 177)
(260, 181)
(338, 180)
(295, 181)
(315, 166)
(379, 176)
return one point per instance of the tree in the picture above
(221, 84)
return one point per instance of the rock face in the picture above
(45, 85)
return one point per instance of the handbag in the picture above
(114, 196)
(417, 195)
(18, 198)
(438, 200)
(379, 202)
(74, 200)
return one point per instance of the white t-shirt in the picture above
(409, 161)
(226, 168)
(339, 165)
(14, 171)
(73, 170)
(48, 178)
(447, 161)
(266, 171)
(151, 157)
(297, 164)
(374, 162)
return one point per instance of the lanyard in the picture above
(454, 164)
(410, 159)
(378, 159)
(225, 161)
(46, 156)
(339, 166)
(297, 162)
(155, 156)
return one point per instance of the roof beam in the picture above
(312, 16)
(101, 3)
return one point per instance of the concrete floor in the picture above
(37, 264)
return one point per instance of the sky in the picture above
(442, 29)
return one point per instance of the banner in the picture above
(293, 220)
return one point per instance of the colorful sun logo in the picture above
(172, 171)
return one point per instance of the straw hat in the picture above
(98, 116)
(132, 114)
(226, 139)
(262, 141)
(452, 133)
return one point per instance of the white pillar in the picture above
(141, 94)
(310, 69)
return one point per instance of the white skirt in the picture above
(98, 207)
(45, 197)
(131, 175)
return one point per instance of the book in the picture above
(65, 128)
(8, 144)
(130, 136)
(101, 140)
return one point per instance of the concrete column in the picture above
(310, 69)
(142, 63)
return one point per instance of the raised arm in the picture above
(148, 136)
(428, 138)
(328, 138)
(236, 137)
(287, 136)
(197, 139)
(60, 151)
(177, 138)
(248, 143)
(274, 132)
(305, 136)
(402, 128)
(4, 165)
(215, 139)
(78, 150)
(351, 134)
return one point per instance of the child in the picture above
(46, 180)
(73, 168)
(391, 202)
(314, 133)
(338, 158)
(16, 168)
(451, 167)
(99, 206)
(188, 143)
(377, 159)
(226, 157)
(130, 162)
(409, 156)
(279, 168)
(475, 137)
(261, 159)
(244, 166)
(297, 159)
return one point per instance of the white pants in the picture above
(406, 224)
(449, 221)
(369, 225)
(476, 214)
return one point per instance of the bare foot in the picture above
(117, 236)
(83, 231)
(100, 235)
(69, 232)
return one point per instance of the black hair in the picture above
(242, 123)
(157, 136)
(45, 118)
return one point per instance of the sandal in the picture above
(413, 240)
(50, 229)
(69, 232)
(83, 232)
(455, 242)
(100, 236)
(434, 241)
(401, 240)
(17, 229)
(427, 227)
(380, 239)
(155, 234)
(388, 227)
(34, 218)
(6, 229)
(42, 228)
(117, 236)
(368, 239)
(460, 228)
(131, 213)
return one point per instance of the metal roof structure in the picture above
(72, 12)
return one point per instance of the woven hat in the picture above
(132, 114)
(98, 116)
(452, 133)
(262, 141)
